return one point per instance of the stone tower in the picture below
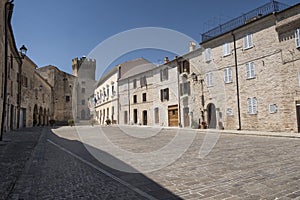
(84, 69)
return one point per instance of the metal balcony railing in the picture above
(266, 9)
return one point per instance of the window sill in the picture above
(228, 82)
(247, 48)
(250, 78)
(226, 55)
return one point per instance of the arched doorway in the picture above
(82, 114)
(35, 115)
(211, 116)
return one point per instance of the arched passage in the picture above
(211, 116)
(35, 115)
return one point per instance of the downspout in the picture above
(128, 91)
(6, 12)
(179, 94)
(237, 83)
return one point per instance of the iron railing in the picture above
(266, 9)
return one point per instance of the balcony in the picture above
(255, 14)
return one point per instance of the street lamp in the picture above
(194, 77)
(23, 51)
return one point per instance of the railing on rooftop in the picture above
(266, 9)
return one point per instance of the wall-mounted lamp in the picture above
(194, 77)
(23, 51)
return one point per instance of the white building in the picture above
(106, 97)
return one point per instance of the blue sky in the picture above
(55, 31)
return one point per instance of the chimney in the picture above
(166, 60)
(192, 46)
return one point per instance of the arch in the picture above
(211, 116)
(45, 117)
(35, 115)
(40, 116)
(82, 114)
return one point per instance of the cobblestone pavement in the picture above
(15, 151)
(238, 167)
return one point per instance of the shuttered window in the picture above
(226, 49)
(208, 55)
(228, 75)
(252, 105)
(250, 71)
(297, 38)
(248, 43)
(209, 79)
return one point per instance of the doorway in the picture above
(298, 116)
(211, 117)
(173, 115)
(145, 117)
(135, 116)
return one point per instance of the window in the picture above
(11, 88)
(248, 43)
(134, 99)
(164, 74)
(156, 115)
(31, 84)
(252, 106)
(273, 108)
(228, 75)
(226, 49)
(107, 90)
(184, 67)
(125, 100)
(83, 83)
(82, 102)
(113, 92)
(208, 55)
(143, 81)
(185, 88)
(82, 90)
(134, 83)
(297, 38)
(144, 97)
(67, 98)
(250, 72)
(164, 94)
(209, 80)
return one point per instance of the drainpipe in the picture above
(237, 83)
(179, 94)
(128, 91)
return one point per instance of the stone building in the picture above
(165, 94)
(10, 72)
(63, 90)
(106, 97)
(251, 71)
(37, 96)
(85, 70)
(136, 92)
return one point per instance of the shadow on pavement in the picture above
(136, 180)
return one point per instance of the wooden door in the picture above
(173, 115)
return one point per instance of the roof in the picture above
(134, 67)
(262, 11)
